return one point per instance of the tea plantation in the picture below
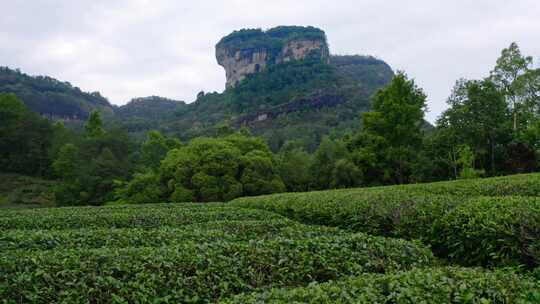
(454, 242)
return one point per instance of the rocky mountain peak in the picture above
(249, 51)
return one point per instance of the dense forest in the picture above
(52, 98)
(294, 96)
(491, 128)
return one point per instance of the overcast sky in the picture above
(133, 48)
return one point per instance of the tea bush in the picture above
(195, 272)
(234, 231)
(467, 229)
(491, 231)
(431, 285)
(139, 217)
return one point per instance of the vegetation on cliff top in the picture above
(271, 40)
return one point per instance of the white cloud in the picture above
(129, 48)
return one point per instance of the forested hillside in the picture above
(52, 98)
(283, 101)
(246, 142)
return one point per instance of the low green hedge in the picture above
(157, 237)
(378, 211)
(135, 217)
(196, 272)
(435, 285)
(512, 185)
(470, 231)
(127, 208)
(491, 232)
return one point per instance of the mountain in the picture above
(52, 98)
(249, 51)
(283, 84)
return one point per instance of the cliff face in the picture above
(241, 63)
(250, 51)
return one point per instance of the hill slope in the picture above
(52, 98)
(282, 83)
(301, 100)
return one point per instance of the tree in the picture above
(392, 135)
(259, 174)
(294, 167)
(517, 81)
(94, 125)
(155, 148)
(478, 118)
(91, 167)
(324, 163)
(466, 162)
(25, 138)
(66, 164)
(210, 169)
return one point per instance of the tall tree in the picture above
(25, 138)
(94, 125)
(155, 148)
(392, 131)
(478, 118)
(325, 159)
(209, 169)
(516, 79)
(294, 165)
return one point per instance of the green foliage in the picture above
(332, 166)
(386, 211)
(127, 216)
(517, 81)
(513, 185)
(90, 166)
(155, 148)
(191, 268)
(466, 161)
(50, 97)
(491, 232)
(478, 118)
(465, 227)
(243, 251)
(142, 188)
(279, 84)
(19, 191)
(140, 115)
(432, 285)
(66, 164)
(391, 136)
(298, 95)
(24, 138)
(294, 165)
(208, 169)
(495, 116)
(223, 230)
(94, 125)
(271, 40)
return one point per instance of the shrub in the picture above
(154, 216)
(514, 185)
(435, 285)
(156, 237)
(467, 229)
(377, 211)
(491, 232)
(195, 272)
